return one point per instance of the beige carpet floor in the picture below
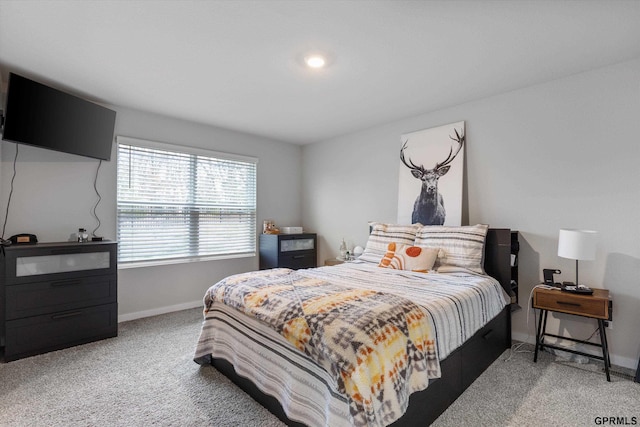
(146, 377)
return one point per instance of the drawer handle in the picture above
(65, 315)
(486, 336)
(572, 304)
(66, 283)
(298, 256)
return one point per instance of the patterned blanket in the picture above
(379, 346)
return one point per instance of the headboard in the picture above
(497, 256)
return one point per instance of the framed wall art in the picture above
(430, 177)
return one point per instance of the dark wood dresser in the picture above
(57, 295)
(288, 250)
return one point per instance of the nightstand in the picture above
(333, 261)
(288, 251)
(597, 306)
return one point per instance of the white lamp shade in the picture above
(577, 244)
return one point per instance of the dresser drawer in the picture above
(297, 260)
(32, 299)
(298, 244)
(42, 262)
(38, 334)
(581, 305)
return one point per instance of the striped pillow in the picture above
(460, 247)
(383, 234)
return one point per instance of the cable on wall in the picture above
(6, 215)
(515, 348)
(93, 211)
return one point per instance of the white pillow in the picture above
(411, 258)
(460, 247)
(383, 234)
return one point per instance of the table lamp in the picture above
(578, 245)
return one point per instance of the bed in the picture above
(467, 318)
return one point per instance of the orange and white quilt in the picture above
(380, 347)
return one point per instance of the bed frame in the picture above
(459, 370)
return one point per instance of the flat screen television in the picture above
(42, 116)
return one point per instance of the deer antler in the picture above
(460, 140)
(411, 165)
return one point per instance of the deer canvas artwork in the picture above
(430, 178)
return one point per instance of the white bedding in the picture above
(457, 304)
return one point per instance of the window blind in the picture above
(175, 204)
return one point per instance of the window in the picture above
(181, 203)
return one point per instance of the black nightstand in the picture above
(288, 250)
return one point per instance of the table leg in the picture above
(605, 348)
(539, 333)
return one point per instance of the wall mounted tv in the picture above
(45, 117)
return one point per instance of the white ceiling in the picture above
(237, 64)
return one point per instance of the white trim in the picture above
(623, 362)
(126, 140)
(137, 264)
(159, 310)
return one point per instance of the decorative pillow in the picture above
(460, 247)
(383, 234)
(411, 258)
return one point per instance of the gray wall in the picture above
(53, 197)
(559, 155)
(562, 154)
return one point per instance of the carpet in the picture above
(146, 376)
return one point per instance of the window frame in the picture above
(183, 149)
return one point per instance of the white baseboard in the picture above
(160, 310)
(517, 336)
(624, 362)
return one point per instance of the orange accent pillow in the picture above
(410, 258)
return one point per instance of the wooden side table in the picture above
(333, 261)
(597, 306)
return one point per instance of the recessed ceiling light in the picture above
(315, 61)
